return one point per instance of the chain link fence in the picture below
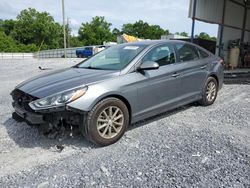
(54, 53)
(57, 53)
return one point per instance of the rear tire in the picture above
(209, 92)
(106, 123)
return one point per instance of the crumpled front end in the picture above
(52, 117)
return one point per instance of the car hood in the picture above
(58, 81)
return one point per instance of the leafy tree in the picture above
(129, 29)
(7, 44)
(155, 32)
(27, 48)
(75, 42)
(7, 26)
(95, 32)
(205, 36)
(144, 30)
(33, 27)
(213, 38)
(29, 31)
(116, 32)
(137, 29)
(1, 22)
(184, 34)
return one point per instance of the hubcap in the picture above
(211, 91)
(110, 122)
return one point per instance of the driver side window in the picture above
(163, 55)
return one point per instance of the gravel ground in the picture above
(191, 146)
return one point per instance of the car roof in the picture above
(153, 42)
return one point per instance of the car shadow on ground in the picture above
(161, 116)
(27, 136)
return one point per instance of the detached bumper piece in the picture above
(22, 110)
(23, 115)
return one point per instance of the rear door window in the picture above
(186, 52)
(203, 54)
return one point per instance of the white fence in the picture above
(16, 55)
(59, 53)
(54, 53)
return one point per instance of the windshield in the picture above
(114, 58)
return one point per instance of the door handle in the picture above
(203, 67)
(175, 75)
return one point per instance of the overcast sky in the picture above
(169, 14)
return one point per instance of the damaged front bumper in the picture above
(30, 117)
(52, 116)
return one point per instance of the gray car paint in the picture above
(147, 92)
(64, 79)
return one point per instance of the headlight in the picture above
(59, 99)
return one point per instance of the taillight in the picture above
(221, 62)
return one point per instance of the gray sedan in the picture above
(119, 86)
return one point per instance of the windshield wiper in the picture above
(89, 67)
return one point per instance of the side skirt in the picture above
(165, 109)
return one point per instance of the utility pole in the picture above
(68, 32)
(193, 20)
(64, 29)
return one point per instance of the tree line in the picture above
(33, 30)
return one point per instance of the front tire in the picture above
(209, 92)
(106, 123)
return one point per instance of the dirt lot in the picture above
(191, 146)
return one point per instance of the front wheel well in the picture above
(215, 77)
(123, 99)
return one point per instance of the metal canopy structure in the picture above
(222, 12)
(232, 16)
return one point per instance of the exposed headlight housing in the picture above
(58, 100)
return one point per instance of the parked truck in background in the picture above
(88, 51)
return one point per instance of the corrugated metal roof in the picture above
(208, 10)
(234, 14)
(212, 11)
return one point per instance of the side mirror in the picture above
(148, 65)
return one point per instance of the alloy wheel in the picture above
(110, 122)
(211, 91)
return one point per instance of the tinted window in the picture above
(163, 55)
(187, 52)
(203, 54)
